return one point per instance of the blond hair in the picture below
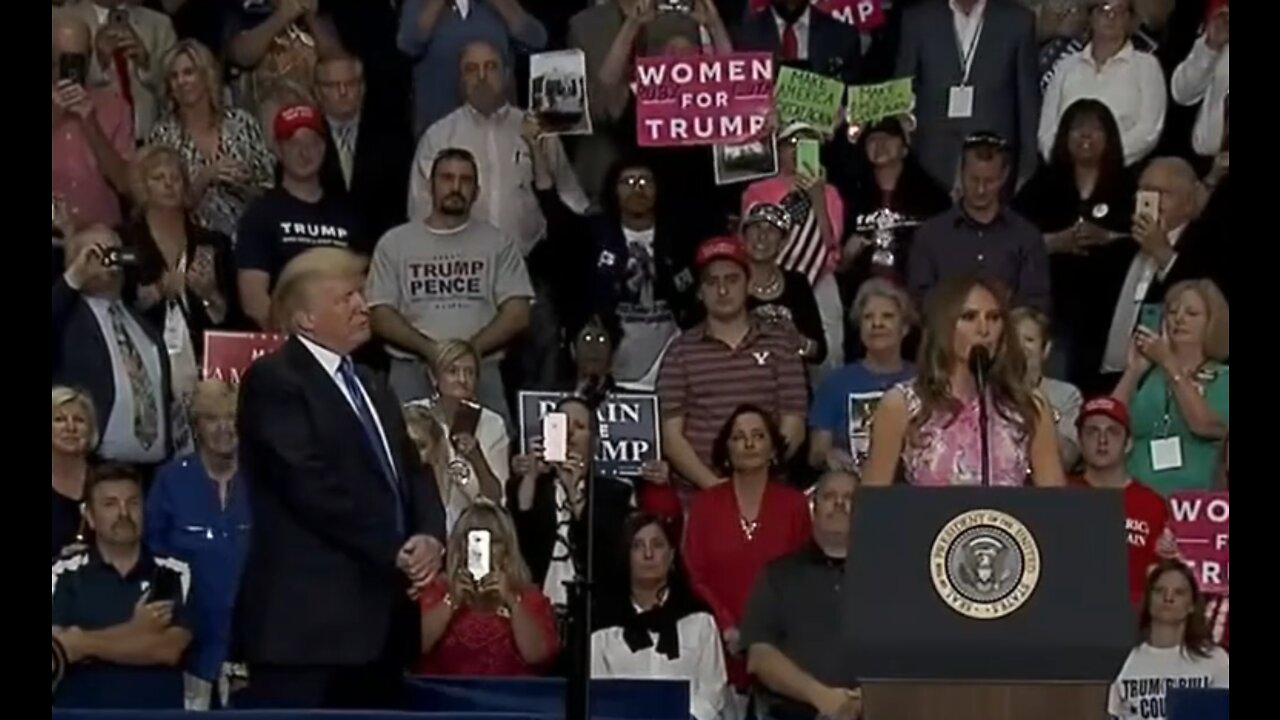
(206, 65)
(451, 351)
(322, 263)
(1217, 331)
(63, 395)
(212, 396)
(484, 514)
(143, 163)
(428, 436)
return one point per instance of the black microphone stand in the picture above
(582, 588)
(979, 363)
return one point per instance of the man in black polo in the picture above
(980, 236)
(119, 612)
(799, 671)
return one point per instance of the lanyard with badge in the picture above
(1166, 448)
(960, 98)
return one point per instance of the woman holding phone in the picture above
(548, 503)
(485, 617)
(477, 448)
(1178, 388)
(931, 426)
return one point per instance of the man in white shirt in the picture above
(1129, 82)
(489, 127)
(1205, 78)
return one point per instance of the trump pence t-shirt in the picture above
(448, 284)
(1139, 691)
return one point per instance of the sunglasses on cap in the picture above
(985, 140)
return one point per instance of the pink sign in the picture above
(1201, 522)
(862, 14)
(228, 354)
(702, 99)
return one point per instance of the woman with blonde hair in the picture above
(485, 619)
(477, 451)
(1178, 388)
(198, 511)
(428, 436)
(222, 148)
(75, 435)
(184, 280)
(931, 426)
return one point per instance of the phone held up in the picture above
(555, 437)
(73, 68)
(675, 6)
(118, 257)
(807, 160)
(479, 557)
(1149, 205)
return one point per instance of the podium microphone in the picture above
(979, 366)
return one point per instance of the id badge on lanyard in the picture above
(1166, 448)
(960, 97)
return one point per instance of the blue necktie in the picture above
(346, 370)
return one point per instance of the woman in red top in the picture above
(499, 624)
(739, 526)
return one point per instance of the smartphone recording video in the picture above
(555, 437)
(479, 560)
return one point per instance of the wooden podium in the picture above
(987, 603)
(894, 700)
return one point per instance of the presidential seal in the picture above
(985, 564)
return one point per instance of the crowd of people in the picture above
(361, 177)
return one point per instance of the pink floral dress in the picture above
(947, 449)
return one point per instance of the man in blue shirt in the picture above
(119, 611)
(433, 33)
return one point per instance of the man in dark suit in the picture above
(104, 346)
(368, 151)
(802, 36)
(975, 69)
(345, 520)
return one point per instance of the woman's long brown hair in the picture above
(1196, 637)
(1010, 396)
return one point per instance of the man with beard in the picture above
(788, 622)
(119, 611)
(292, 217)
(804, 37)
(451, 276)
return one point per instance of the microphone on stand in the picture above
(979, 366)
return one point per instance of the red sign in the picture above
(1201, 522)
(702, 99)
(862, 14)
(228, 354)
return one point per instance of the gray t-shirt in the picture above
(447, 283)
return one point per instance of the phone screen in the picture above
(555, 437)
(1150, 316)
(807, 161)
(73, 67)
(165, 587)
(1149, 204)
(479, 561)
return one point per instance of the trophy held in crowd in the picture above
(882, 226)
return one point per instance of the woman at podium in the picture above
(1176, 651)
(971, 373)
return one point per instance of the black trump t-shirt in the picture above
(278, 227)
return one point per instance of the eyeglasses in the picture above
(1110, 10)
(985, 140)
(636, 181)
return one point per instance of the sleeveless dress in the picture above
(947, 450)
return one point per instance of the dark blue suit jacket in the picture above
(81, 358)
(835, 49)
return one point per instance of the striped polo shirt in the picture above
(705, 380)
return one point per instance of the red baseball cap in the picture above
(292, 118)
(724, 247)
(1105, 406)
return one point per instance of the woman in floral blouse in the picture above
(222, 148)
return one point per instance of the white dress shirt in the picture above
(1142, 271)
(1131, 85)
(330, 361)
(802, 33)
(119, 441)
(1205, 77)
(701, 662)
(507, 199)
(968, 28)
